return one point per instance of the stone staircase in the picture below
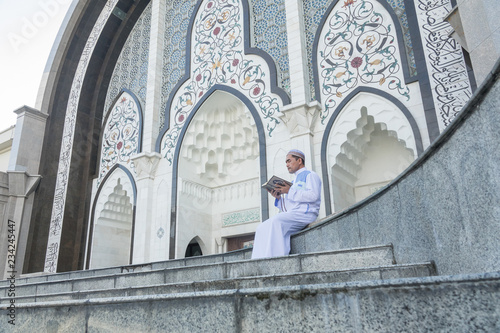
(217, 293)
(213, 273)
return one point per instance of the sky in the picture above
(28, 29)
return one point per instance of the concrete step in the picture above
(200, 269)
(319, 277)
(441, 304)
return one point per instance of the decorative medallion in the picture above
(359, 48)
(160, 233)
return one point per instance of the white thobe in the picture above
(298, 208)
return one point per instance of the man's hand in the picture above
(282, 188)
(274, 193)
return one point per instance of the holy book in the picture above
(275, 181)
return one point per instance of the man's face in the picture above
(293, 163)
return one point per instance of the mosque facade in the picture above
(158, 121)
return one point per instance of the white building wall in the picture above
(6, 139)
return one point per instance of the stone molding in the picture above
(146, 164)
(301, 118)
(34, 113)
(22, 184)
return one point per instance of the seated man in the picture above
(298, 205)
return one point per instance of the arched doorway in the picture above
(218, 191)
(194, 248)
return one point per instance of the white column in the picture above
(146, 165)
(155, 65)
(297, 52)
(300, 116)
(147, 162)
(28, 138)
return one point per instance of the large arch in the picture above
(385, 109)
(262, 167)
(86, 51)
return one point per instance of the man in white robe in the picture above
(298, 205)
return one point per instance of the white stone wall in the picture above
(6, 138)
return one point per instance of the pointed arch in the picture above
(235, 65)
(121, 136)
(409, 132)
(196, 241)
(262, 157)
(117, 173)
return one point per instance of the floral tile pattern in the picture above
(218, 57)
(358, 47)
(131, 69)
(177, 15)
(270, 35)
(121, 135)
(314, 11)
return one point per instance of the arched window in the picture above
(370, 142)
(111, 234)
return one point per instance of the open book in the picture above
(275, 180)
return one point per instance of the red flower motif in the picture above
(233, 81)
(119, 145)
(210, 5)
(198, 77)
(181, 118)
(356, 62)
(236, 62)
(256, 91)
(216, 31)
(200, 94)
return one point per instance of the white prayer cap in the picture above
(297, 153)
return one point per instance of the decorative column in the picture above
(301, 115)
(300, 120)
(155, 65)
(146, 165)
(299, 72)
